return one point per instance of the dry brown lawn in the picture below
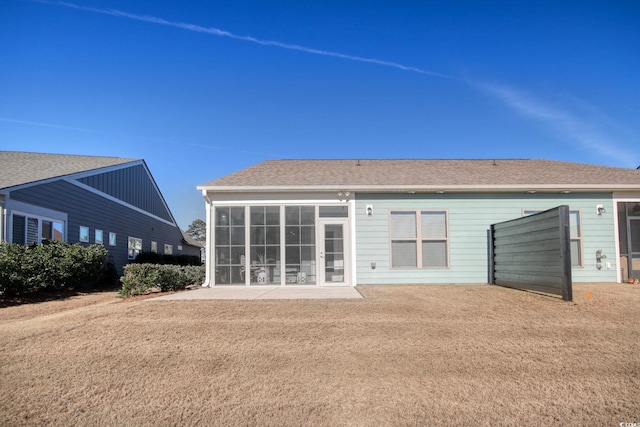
(403, 355)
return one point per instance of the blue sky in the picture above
(202, 89)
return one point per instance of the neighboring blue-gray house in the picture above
(356, 222)
(110, 201)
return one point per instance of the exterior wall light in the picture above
(369, 210)
(600, 209)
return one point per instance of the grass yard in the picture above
(403, 355)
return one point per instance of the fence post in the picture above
(565, 253)
(492, 264)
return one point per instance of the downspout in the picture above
(207, 247)
(3, 219)
(616, 228)
(352, 222)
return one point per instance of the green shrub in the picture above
(140, 279)
(52, 265)
(14, 269)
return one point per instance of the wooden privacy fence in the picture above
(533, 253)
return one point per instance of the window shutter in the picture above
(19, 223)
(32, 230)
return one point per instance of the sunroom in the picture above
(280, 244)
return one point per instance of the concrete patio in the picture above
(263, 292)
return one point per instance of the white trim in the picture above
(134, 249)
(155, 185)
(80, 234)
(139, 162)
(616, 233)
(320, 242)
(14, 205)
(95, 236)
(626, 197)
(40, 218)
(118, 201)
(73, 175)
(620, 198)
(419, 239)
(352, 237)
(242, 198)
(208, 242)
(247, 244)
(3, 219)
(28, 210)
(418, 188)
(102, 170)
(211, 205)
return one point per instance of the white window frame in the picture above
(135, 249)
(40, 219)
(13, 207)
(154, 247)
(418, 239)
(53, 223)
(84, 236)
(99, 236)
(112, 238)
(168, 249)
(578, 239)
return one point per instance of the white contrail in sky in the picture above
(222, 33)
(48, 125)
(561, 121)
(164, 141)
(564, 123)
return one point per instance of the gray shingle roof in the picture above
(17, 168)
(427, 174)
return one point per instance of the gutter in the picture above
(543, 188)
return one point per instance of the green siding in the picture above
(469, 218)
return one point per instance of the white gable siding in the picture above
(469, 218)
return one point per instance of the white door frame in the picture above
(631, 251)
(320, 247)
